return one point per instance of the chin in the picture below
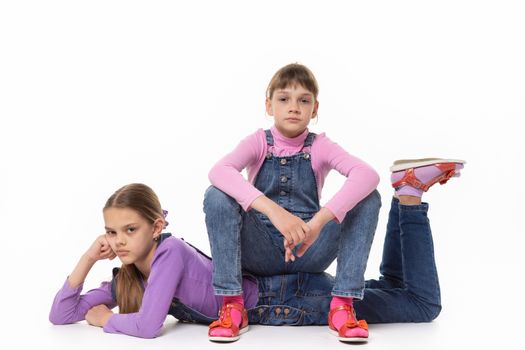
(126, 260)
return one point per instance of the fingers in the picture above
(288, 253)
(105, 251)
(302, 249)
(296, 235)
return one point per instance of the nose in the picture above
(294, 107)
(121, 239)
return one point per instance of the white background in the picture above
(98, 94)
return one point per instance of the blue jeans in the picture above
(407, 291)
(248, 240)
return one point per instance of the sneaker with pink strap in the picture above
(412, 177)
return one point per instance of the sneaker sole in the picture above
(229, 339)
(417, 163)
(348, 340)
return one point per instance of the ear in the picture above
(269, 109)
(158, 226)
(316, 107)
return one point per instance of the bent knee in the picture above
(429, 313)
(214, 198)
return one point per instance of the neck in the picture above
(296, 138)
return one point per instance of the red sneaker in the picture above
(224, 330)
(352, 331)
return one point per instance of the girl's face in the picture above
(292, 109)
(130, 236)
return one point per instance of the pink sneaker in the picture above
(415, 176)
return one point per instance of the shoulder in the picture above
(322, 143)
(171, 248)
(170, 243)
(321, 138)
(256, 138)
(253, 145)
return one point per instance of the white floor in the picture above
(95, 95)
(442, 334)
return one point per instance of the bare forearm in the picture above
(266, 206)
(80, 272)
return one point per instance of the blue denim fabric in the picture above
(297, 299)
(408, 289)
(290, 182)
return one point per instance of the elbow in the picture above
(374, 178)
(149, 332)
(57, 319)
(214, 173)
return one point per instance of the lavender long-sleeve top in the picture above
(361, 180)
(177, 271)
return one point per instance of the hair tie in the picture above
(165, 213)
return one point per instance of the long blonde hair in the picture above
(142, 199)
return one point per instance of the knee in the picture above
(215, 199)
(373, 201)
(432, 312)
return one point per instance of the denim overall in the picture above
(290, 182)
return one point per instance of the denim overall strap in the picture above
(269, 137)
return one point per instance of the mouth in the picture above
(293, 119)
(122, 252)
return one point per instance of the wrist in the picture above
(88, 259)
(106, 318)
(323, 216)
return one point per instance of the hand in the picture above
(290, 226)
(320, 219)
(311, 237)
(100, 250)
(98, 315)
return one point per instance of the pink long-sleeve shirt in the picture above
(326, 155)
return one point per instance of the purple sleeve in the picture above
(361, 180)
(166, 270)
(226, 174)
(70, 307)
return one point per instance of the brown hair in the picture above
(290, 75)
(144, 201)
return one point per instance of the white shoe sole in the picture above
(348, 340)
(417, 163)
(229, 339)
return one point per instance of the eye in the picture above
(111, 233)
(305, 100)
(283, 99)
(131, 229)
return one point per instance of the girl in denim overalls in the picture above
(274, 224)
